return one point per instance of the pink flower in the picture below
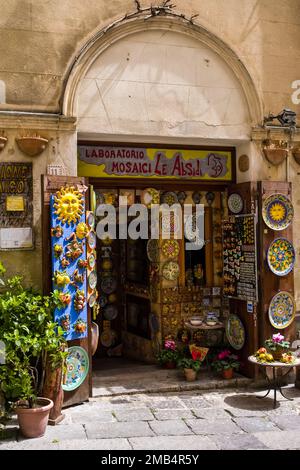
(277, 338)
(224, 354)
(170, 344)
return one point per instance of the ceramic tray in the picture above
(77, 363)
(282, 310)
(235, 203)
(281, 256)
(277, 211)
(235, 332)
(170, 248)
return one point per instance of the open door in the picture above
(50, 185)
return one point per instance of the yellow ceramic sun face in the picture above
(81, 230)
(68, 204)
(277, 212)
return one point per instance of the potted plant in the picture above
(32, 340)
(168, 356)
(277, 346)
(190, 366)
(226, 363)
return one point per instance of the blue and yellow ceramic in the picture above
(281, 256)
(235, 332)
(282, 310)
(277, 211)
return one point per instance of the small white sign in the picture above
(14, 238)
(249, 306)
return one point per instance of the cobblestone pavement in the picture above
(224, 419)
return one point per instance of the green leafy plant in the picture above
(169, 353)
(277, 343)
(189, 363)
(225, 360)
(31, 339)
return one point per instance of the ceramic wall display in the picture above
(170, 248)
(92, 280)
(100, 198)
(153, 250)
(170, 224)
(277, 211)
(108, 284)
(150, 196)
(282, 310)
(91, 261)
(169, 198)
(170, 270)
(77, 365)
(90, 220)
(91, 239)
(79, 302)
(110, 312)
(108, 338)
(92, 300)
(68, 204)
(103, 300)
(110, 198)
(281, 256)
(57, 231)
(235, 332)
(235, 203)
(81, 230)
(196, 196)
(82, 263)
(181, 196)
(129, 194)
(80, 326)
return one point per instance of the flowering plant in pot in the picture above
(168, 356)
(226, 362)
(277, 346)
(32, 340)
(190, 365)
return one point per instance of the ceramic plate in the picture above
(92, 240)
(108, 338)
(92, 279)
(153, 250)
(181, 197)
(170, 270)
(102, 300)
(100, 198)
(282, 310)
(196, 197)
(281, 257)
(235, 203)
(170, 248)
(150, 196)
(110, 312)
(170, 223)
(77, 363)
(108, 284)
(169, 198)
(277, 212)
(235, 332)
(91, 261)
(91, 220)
(92, 300)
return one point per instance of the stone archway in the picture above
(94, 55)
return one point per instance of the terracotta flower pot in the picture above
(169, 365)
(227, 373)
(190, 375)
(33, 421)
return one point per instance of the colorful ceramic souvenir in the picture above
(170, 223)
(281, 256)
(65, 298)
(92, 240)
(82, 263)
(61, 278)
(210, 197)
(107, 265)
(150, 196)
(170, 270)
(235, 332)
(57, 231)
(235, 203)
(92, 300)
(196, 196)
(91, 220)
(68, 204)
(181, 196)
(108, 338)
(58, 249)
(277, 211)
(74, 248)
(169, 198)
(92, 279)
(110, 198)
(79, 300)
(102, 300)
(108, 284)
(282, 310)
(110, 312)
(77, 365)
(64, 322)
(170, 248)
(82, 230)
(80, 326)
(64, 262)
(100, 198)
(153, 250)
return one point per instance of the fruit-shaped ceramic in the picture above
(79, 300)
(61, 278)
(57, 231)
(65, 298)
(58, 249)
(82, 230)
(80, 326)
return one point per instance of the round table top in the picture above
(203, 326)
(253, 359)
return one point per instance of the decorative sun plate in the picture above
(92, 240)
(108, 284)
(170, 270)
(68, 204)
(77, 364)
(110, 312)
(235, 203)
(92, 279)
(235, 332)
(170, 248)
(281, 256)
(282, 310)
(277, 211)
(153, 250)
(169, 198)
(150, 196)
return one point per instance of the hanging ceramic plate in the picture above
(153, 250)
(281, 257)
(235, 332)
(170, 248)
(91, 261)
(282, 310)
(196, 197)
(277, 211)
(77, 364)
(170, 223)
(92, 279)
(169, 198)
(102, 300)
(108, 284)
(150, 196)
(235, 203)
(170, 270)
(100, 198)
(92, 300)
(181, 197)
(108, 338)
(110, 312)
(92, 240)
(90, 220)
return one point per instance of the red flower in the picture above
(224, 354)
(196, 355)
(170, 344)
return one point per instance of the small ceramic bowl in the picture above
(196, 321)
(211, 322)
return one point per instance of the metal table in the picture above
(275, 384)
